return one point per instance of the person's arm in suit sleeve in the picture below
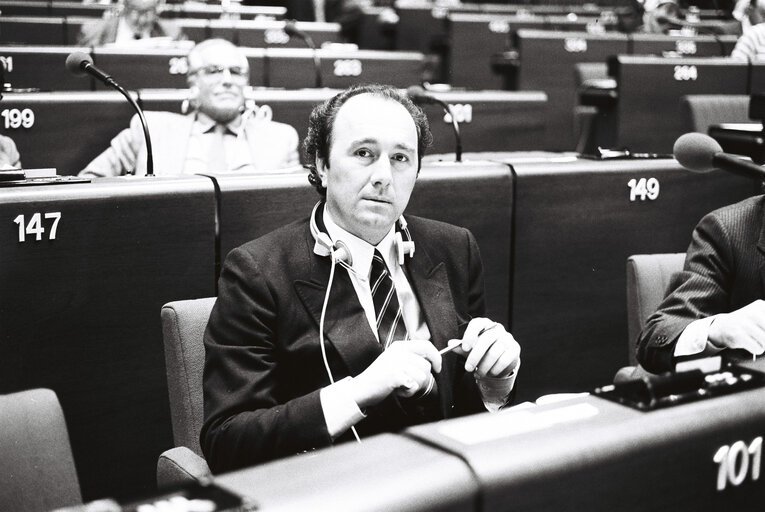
(701, 290)
(246, 421)
(9, 155)
(122, 154)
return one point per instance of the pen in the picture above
(452, 347)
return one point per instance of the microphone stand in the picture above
(456, 127)
(144, 124)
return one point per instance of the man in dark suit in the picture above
(275, 384)
(715, 304)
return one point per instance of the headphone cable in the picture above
(321, 329)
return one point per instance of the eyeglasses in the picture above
(216, 72)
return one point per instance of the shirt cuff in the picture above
(694, 339)
(340, 410)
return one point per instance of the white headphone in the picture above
(340, 252)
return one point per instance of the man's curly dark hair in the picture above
(318, 141)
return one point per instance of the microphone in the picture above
(290, 28)
(701, 153)
(80, 64)
(419, 95)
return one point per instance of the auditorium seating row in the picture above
(545, 61)
(42, 67)
(647, 114)
(255, 33)
(197, 10)
(87, 266)
(489, 120)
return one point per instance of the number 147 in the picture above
(35, 227)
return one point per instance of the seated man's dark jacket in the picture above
(264, 370)
(724, 270)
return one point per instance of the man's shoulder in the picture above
(278, 241)
(751, 207)
(433, 227)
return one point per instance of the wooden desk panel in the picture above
(65, 130)
(80, 311)
(574, 227)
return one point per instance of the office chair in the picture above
(37, 469)
(183, 327)
(648, 276)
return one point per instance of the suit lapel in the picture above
(345, 326)
(431, 285)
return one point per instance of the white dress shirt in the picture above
(203, 143)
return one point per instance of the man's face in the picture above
(220, 75)
(141, 14)
(372, 165)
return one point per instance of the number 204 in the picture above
(35, 226)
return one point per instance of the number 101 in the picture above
(736, 461)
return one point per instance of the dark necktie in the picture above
(216, 159)
(390, 322)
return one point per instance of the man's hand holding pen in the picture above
(488, 348)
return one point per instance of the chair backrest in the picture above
(700, 111)
(37, 469)
(648, 276)
(183, 327)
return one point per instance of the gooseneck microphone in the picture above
(418, 95)
(291, 30)
(701, 153)
(79, 63)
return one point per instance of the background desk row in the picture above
(490, 120)
(87, 267)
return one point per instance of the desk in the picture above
(259, 33)
(581, 454)
(595, 455)
(490, 120)
(701, 45)
(538, 50)
(476, 192)
(80, 310)
(384, 473)
(135, 68)
(292, 68)
(649, 119)
(476, 38)
(575, 223)
(42, 67)
(65, 130)
(95, 10)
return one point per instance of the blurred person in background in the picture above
(219, 133)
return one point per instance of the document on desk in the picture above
(482, 428)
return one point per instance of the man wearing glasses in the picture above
(220, 132)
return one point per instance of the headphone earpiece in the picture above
(403, 248)
(190, 102)
(324, 245)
